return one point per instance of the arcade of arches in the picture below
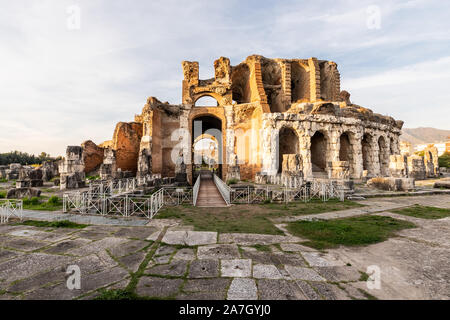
(268, 117)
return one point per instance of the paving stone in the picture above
(197, 238)
(252, 239)
(25, 244)
(135, 232)
(64, 246)
(190, 238)
(236, 268)
(259, 257)
(165, 250)
(185, 254)
(88, 283)
(300, 273)
(307, 290)
(25, 233)
(38, 280)
(128, 247)
(8, 254)
(133, 261)
(93, 263)
(266, 271)
(27, 265)
(287, 258)
(207, 285)
(330, 291)
(195, 296)
(204, 268)
(295, 247)
(92, 235)
(158, 287)
(218, 251)
(352, 291)
(242, 289)
(176, 269)
(316, 259)
(162, 259)
(97, 246)
(274, 289)
(339, 273)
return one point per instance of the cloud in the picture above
(61, 87)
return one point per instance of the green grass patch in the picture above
(118, 294)
(444, 160)
(424, 212)
(261, 247)
(2, 194)
(53, 203)
(3, 180)
(223, 220)
(54, 224)
(248, 218)
(354, 231)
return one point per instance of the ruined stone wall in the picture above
(92, 156)
(126, 143)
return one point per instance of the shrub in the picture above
(53, 200)
(232, 181)
(444, 160)
(2, 194)
(93, 178)
(34, 201)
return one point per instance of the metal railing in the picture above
(10, 207)
(195, 190)
(224, 189)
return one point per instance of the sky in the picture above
(70, 70)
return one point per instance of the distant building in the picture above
(441, 146)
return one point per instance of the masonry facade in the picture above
(274, 118)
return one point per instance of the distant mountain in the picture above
(424, 135)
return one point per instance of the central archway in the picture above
(207, 128)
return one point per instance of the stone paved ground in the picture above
(165, 260)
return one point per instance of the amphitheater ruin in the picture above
(277, 121)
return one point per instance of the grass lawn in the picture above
(245, 218)
(354, 231)
(423, 212)
(43, 203)
(54, 224)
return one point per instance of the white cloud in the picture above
(60, 87)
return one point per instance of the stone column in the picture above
(269, 146)
(357, 155)
(305, 151)
(375, 155)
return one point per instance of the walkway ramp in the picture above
(208, 194)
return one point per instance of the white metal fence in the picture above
(10, 207)
(224, 189)
(195, 190)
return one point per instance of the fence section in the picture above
(10, 207)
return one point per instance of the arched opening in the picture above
(383, 156)
(207, 145)
(206, 101)
(392, 147)
(288, 144)
(366, 153)
(206, 151)
(299, 83)
(318, 152)
(346, 150)
(240, 79)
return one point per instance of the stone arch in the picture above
(367, 153)
(319, 151)
(209, 98)
(288, 143)
(346, 150)
(383, 155)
